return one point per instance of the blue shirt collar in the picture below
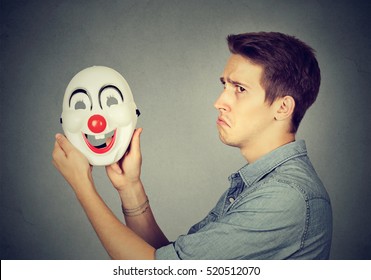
(253, 172)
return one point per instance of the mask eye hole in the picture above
(110, 96)
(80, 105)
(111, 100)
(80, 100)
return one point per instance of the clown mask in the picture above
(99, 114)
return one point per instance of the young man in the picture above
(276, 206)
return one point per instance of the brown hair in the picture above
(289, 67)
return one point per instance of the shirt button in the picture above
(231, 199)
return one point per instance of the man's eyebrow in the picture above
(229, 80)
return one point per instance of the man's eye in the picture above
(240, 89)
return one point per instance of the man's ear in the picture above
(286, 106)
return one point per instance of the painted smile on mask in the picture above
(101, 143)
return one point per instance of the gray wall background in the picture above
(171, 53)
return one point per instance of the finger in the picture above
(57, 151)
(135, 141)
(64, 144)
(116, 168)
(58, 155)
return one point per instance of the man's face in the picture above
(244, 116)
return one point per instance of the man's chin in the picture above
(226, 141)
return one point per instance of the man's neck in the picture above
(254, 150)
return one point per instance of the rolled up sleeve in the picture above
(167, 253)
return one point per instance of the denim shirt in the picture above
(275, 208)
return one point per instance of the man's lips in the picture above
(100, 144)
(222, 121)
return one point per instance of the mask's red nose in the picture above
(97, 123)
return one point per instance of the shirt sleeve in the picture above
(266, 224)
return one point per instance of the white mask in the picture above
(99, 114)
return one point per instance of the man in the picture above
(276, 206)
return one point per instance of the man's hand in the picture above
(119, 240)
(127, 171)
(71, 163)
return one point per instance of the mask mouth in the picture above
(101, 143)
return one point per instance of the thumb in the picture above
(63, 142)
(115, 168)
(135, 141)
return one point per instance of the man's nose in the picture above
(220, 103)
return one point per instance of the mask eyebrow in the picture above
(79, 90)
(109, 86)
